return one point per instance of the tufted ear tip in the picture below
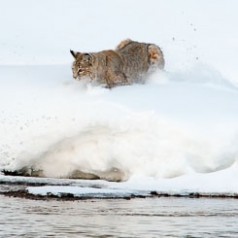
(73, 53)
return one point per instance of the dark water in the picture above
(151, 217)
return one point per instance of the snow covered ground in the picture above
(176, 133)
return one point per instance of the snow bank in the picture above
(164, 128)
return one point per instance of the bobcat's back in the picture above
(139, 58)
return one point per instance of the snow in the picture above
(80, 191)
(210, 183)
(178, 132)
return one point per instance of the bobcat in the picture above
(128, 63)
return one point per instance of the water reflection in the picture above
(160, 217)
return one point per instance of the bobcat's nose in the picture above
(75, 76)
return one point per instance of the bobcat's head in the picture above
(82, 65)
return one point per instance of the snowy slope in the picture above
(176, 131)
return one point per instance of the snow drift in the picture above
(163, 128)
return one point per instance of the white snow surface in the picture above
(177, 132)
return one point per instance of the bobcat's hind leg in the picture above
(156, 57)
(116, 79)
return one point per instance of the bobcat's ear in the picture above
(87, 56)
(74, 54)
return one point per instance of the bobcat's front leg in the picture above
(115, 79)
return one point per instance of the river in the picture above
(150, 217)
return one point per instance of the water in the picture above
(160, 217)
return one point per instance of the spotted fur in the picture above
(128, 63)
